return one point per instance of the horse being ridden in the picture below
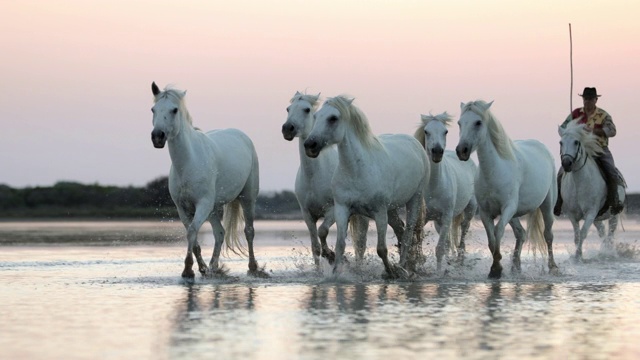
(514, 179)
(584, 189)
(313, 181)
(449, 196)
(212, 176)
(375, 176)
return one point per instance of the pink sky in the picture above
(77, 74)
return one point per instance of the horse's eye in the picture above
(307, 110)
(174, 111)
(332, 119)
(287, 109)
(478, 123)
(153, 110)
(426, 133)
(575, 142)
(446, 132)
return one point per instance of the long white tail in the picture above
(233, 223)
(454, 233)
(535, 232)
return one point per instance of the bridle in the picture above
(574, 158)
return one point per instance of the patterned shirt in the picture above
(600, 119)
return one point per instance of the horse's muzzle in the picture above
(567, 164)
(158, 138)
(312, 148)
(288, 132)
(436, 154)
(463, 152)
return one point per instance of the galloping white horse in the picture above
(375, 176)
(212, 175)
(313, 181)
(583, 188)
(514, 179)
(449, 196)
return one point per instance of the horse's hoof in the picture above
(258, 272)
(555, 271)
(188, 274)
(330, 256)
(219, 272)
(495, 273)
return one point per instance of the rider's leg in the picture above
(606, 163)
(557, 210)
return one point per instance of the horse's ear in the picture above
(461, 105)
(154, 89)
(560, 130)
(297, 94)
(350, 101)
(489, 104)
(184, 93)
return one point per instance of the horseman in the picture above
(599, 122)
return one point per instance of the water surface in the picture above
(113, 290)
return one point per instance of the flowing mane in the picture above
(444, 118)
(588, 140)
(356, 119)
(176, 96)
(314, 100)
(499, 138)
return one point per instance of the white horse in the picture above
(313, 181)
(212, 175)
(449, 196)
(514, 179)
(375, 177)
(583, 188)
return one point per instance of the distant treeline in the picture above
(74, 200)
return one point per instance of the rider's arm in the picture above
(608, 127)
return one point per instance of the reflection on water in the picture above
(361, 321)
(130, 302)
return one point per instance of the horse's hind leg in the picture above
(248, 210)
(218, 235)
(397, 225)
(520, 235)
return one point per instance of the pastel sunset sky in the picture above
(76, 75)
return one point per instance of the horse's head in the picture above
(168, 110)
(575, 143)
(300, 116)
(473, 127)
(435, 132)
(329, 126)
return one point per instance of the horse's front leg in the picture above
(193, 247)
(584, 231)
(575, 224)
(313, 235)
(444, 234)
(520, 234)
(489, 228)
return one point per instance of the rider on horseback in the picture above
(599, 122)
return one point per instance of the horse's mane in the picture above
(177, 96)
(314, 100)
(503, 144)
(588, 140)
(356, 119)
(444, 118)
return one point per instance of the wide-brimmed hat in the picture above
(590, 93)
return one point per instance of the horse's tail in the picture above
(358, 226)
(454, 232)
(535, 232)
(233, 223)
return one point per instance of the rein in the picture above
(575, 157)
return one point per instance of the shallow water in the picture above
(113, 290)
